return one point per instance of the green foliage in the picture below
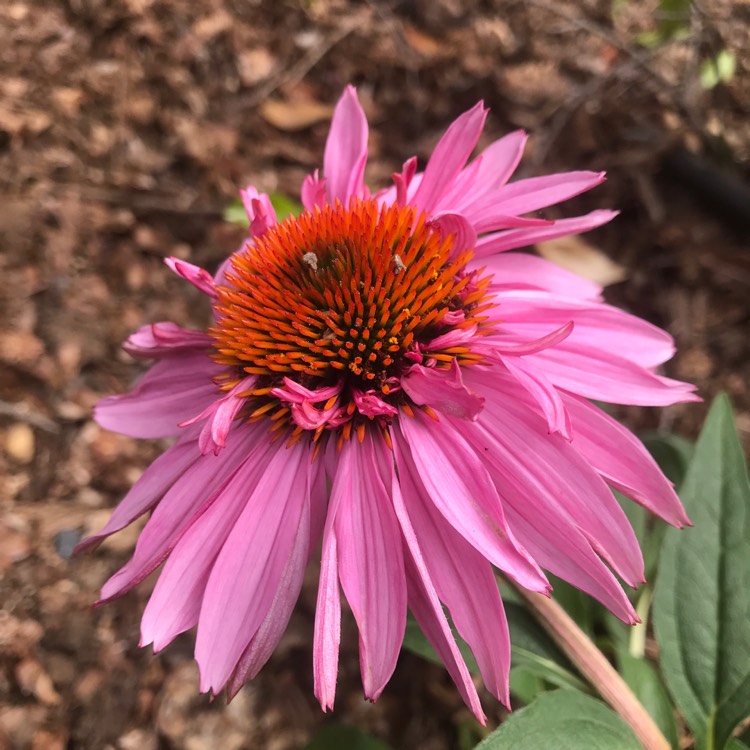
(532, 651)
(702, 598)
(338, 737)
(720, 69)
(644, 681)
(563, 720)
(673, 22)
(284, 206)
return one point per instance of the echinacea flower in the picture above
(385, 388)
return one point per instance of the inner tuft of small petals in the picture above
(339, 303)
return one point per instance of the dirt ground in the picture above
(126, 128)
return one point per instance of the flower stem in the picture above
(595, 667)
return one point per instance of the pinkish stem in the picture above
(595, 667)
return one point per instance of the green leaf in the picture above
(563, 720)
(581, 607)
(735, 744)
(416, 642)
(338, 737)
(525, 685)
(235, 213)
(531, 648)
(702, 598)
(284, 206)
(721, 69)
(644, 681)
(672, 452)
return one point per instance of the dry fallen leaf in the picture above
(286, 115)
(33, 679)
(576, 255)
(19, 442)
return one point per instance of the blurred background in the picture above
(127, 128)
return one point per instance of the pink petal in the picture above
(163, 339)
(327, 634)
(248, 571)
(525, 315)
(190, 495)
(198, 277)
(602, 375)
(371, 565)
(496, 343)
(175, 603)
(449, 157)
(623, 461)
(561, 548)
(464, 234)
(529, 195)
(268, 635)
(346, 149)
(171, 392)
(547, 470)
(543, 392)
(463, 579)
(444, 390)
(501, 241)
(148, 490)
(499, 161)
(458, 484)
(260, 211)
(403, 179)
(524, 271)
(313, 191)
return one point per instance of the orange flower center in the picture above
(346, 296)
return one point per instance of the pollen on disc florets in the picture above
(343, 300)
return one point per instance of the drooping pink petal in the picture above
(501, 241)
(547, 470)
(268, 635)
(528, 314)
(606, 376)
(346, 149)
(191, 494)
(171, 392)
(148, 490)
(198, 277)
(219, 416)
(447, 224)
(175, 603)
(246, 575)
(463, 579)
(513, 271)
(449, 157)
(622, 460)
(498, 343)
(371, 565)
(158, 340)
(327, 633)
(458, 484)
(432, 622)
(543, 392)
(561, 548)
(370, 404)
(444, 390)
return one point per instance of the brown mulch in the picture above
(127, 126)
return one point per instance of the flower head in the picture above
(387, 346)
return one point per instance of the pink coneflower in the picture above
(382, 378)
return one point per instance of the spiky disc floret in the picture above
(345, 295)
